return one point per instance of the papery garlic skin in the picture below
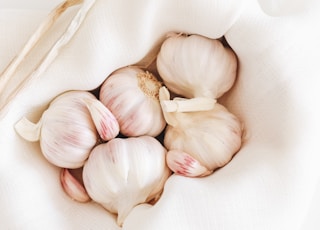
(211, 137)
(132, 96)
(196, 66)
(123, 173)
(105, 122)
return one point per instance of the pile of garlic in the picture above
(130, 138)
(113, 138)
(202, 135)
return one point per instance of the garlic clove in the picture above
(131, 94)
(72, 187)
(105, 122)
(125, 172)
(184, 164)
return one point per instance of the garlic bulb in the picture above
(67, 131)
(123, 173)
(199, 142)
(132, 96)
(196, 66)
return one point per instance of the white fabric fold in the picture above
(284, 7)
(269, 183)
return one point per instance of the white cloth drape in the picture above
(268, 185)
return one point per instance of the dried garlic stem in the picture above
(34, 39)
(173, 108)
(188, 105)
(170, 118)
(28, 130)
(54, 51)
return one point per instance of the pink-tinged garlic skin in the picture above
(123, 173)
(184, 164)
(210, 137)
(72, 187)
(132, 96)
(196, 66)
(105, 122)
(68, 133)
